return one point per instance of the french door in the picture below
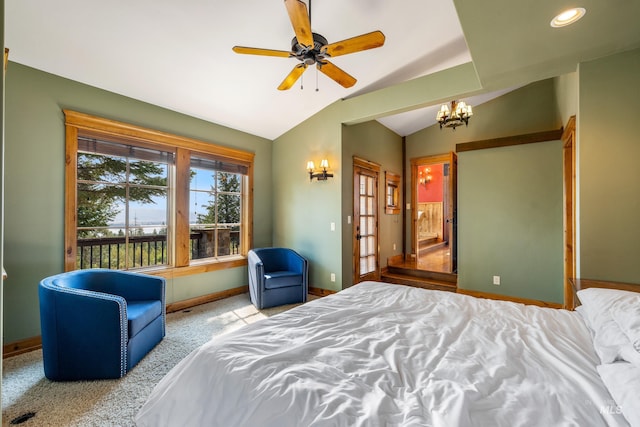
(365, 221)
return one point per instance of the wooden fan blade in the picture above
(356, 44)
(337, 74)
(293, 76)
(299, 17)
(257, 51)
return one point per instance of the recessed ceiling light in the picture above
(568, 17)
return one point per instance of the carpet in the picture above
(29, 399)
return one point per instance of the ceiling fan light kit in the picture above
(312, 48)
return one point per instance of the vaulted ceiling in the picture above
(178, 54)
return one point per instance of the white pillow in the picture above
(609, 338)
(626, 313)
(623, 382)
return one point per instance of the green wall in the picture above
(529, 109)
(510, 220)
(291, 211)
(2, 92)
(303, 210)
(34, 176)
(609, 176)
(566, 88)
(374, 142)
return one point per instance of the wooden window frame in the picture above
(392, 183)
(81, 124)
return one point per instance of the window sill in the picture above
(198, 267)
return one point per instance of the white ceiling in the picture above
(177, 54)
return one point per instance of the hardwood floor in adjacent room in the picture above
(435, 260)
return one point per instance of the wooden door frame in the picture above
(375, 168)
(569, 207)
(415, 163)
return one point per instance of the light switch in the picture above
(333, 226)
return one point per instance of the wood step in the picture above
(424, 250)
(418, 282)
(435, 276)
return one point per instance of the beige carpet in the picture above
(26, 391)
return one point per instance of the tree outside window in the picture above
(216, 208)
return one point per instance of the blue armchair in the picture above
(277, 276)
(99, 323)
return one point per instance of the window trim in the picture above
(86, 125)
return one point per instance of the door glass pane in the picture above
(363, 267)
(371, 245)
(370, 228)
(369, 186)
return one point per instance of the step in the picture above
(423, 250)
(418, 282)
(437, 276)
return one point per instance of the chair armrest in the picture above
(256, 276)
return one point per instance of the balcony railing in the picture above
(150, 250)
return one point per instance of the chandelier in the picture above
(458, 114)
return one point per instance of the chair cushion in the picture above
(282, 279)
(141, 313)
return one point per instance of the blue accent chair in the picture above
(99, 323)
(277, 276)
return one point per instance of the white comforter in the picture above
(390, 355)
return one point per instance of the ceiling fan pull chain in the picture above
(317, 90)
(301, 81)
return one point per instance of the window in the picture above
(143, 199)
(392, 193)
(122, 205)
(215, 198)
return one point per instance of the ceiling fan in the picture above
(312, 48)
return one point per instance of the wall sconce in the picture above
(320, 176)
(424, 180)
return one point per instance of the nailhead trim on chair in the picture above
(124, 328)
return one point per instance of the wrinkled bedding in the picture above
(378, 354)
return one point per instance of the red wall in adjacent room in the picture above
(432, 192)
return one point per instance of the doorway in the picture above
(434, 201)
(365, 220)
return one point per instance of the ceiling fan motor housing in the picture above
(309, 55)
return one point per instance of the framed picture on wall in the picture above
(392, 193)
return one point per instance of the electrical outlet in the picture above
(333, 277)
(496, 280)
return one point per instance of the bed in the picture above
(378, 354)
